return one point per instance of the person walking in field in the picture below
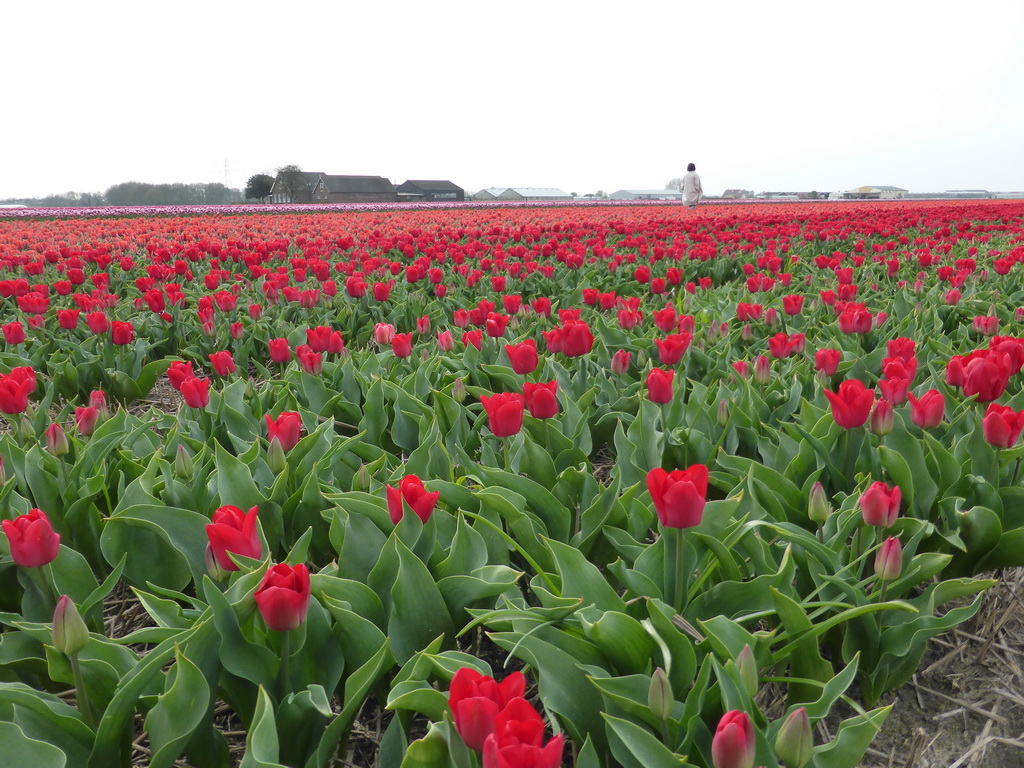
(692, 190)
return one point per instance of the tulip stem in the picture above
(995, 469)
(286, 652)
(1016, 470)
(81, 694)
(675, 590)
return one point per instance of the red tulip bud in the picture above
(733, 744)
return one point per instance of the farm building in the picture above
(491, 193)
(316, 187)
(875, 193)
(415, 190)
(646, 194)
(534, 194)
(354, 189)
(294, 187)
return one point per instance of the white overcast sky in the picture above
(780, 96)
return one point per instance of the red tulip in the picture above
(1002, 425)
(286, 429)
(742, 367)
(576, 338)
(222, 363)
(234, 531)
(283, 596)
(733, 745)
(523, 357)
(474, 338)
(401, 344)
(659, 385)
(665, 319)
(504, 413)
(827, 361)
(851, 404)
(15, 390)
(541, 399)
(32, 539)
(902, 347)
(792, 305)
(495, 324)
(97, 322)
(14, 333)
(178, 372)
(411, 490)
(680, 495)
(319, 338)
(880, 504)
(672, 347)
(122, 333)
(86, 418)
(518, 740)
(986, 375)
(476, 700)
(780, 346)
(629, 320)
(280, 350)
(445, 342)
(928, 411)
(311, 362)
(196, 392)
(68, 318)
(855, 321)
(894, 389)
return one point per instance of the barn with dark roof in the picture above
(415, 190)
(354, 189)
(328, 188)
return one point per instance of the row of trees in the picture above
(138, 193)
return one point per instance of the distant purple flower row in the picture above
(196, 210)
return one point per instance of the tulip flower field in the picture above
(509, 487)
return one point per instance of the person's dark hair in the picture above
(691, 167)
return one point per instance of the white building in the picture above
(646, 194)
(875, 193)
(533, 194)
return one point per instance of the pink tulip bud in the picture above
(882, 418)
(762, 370)
(57, 440)
(889, 560)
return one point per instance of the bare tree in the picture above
(675, 184)
(291, 183)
